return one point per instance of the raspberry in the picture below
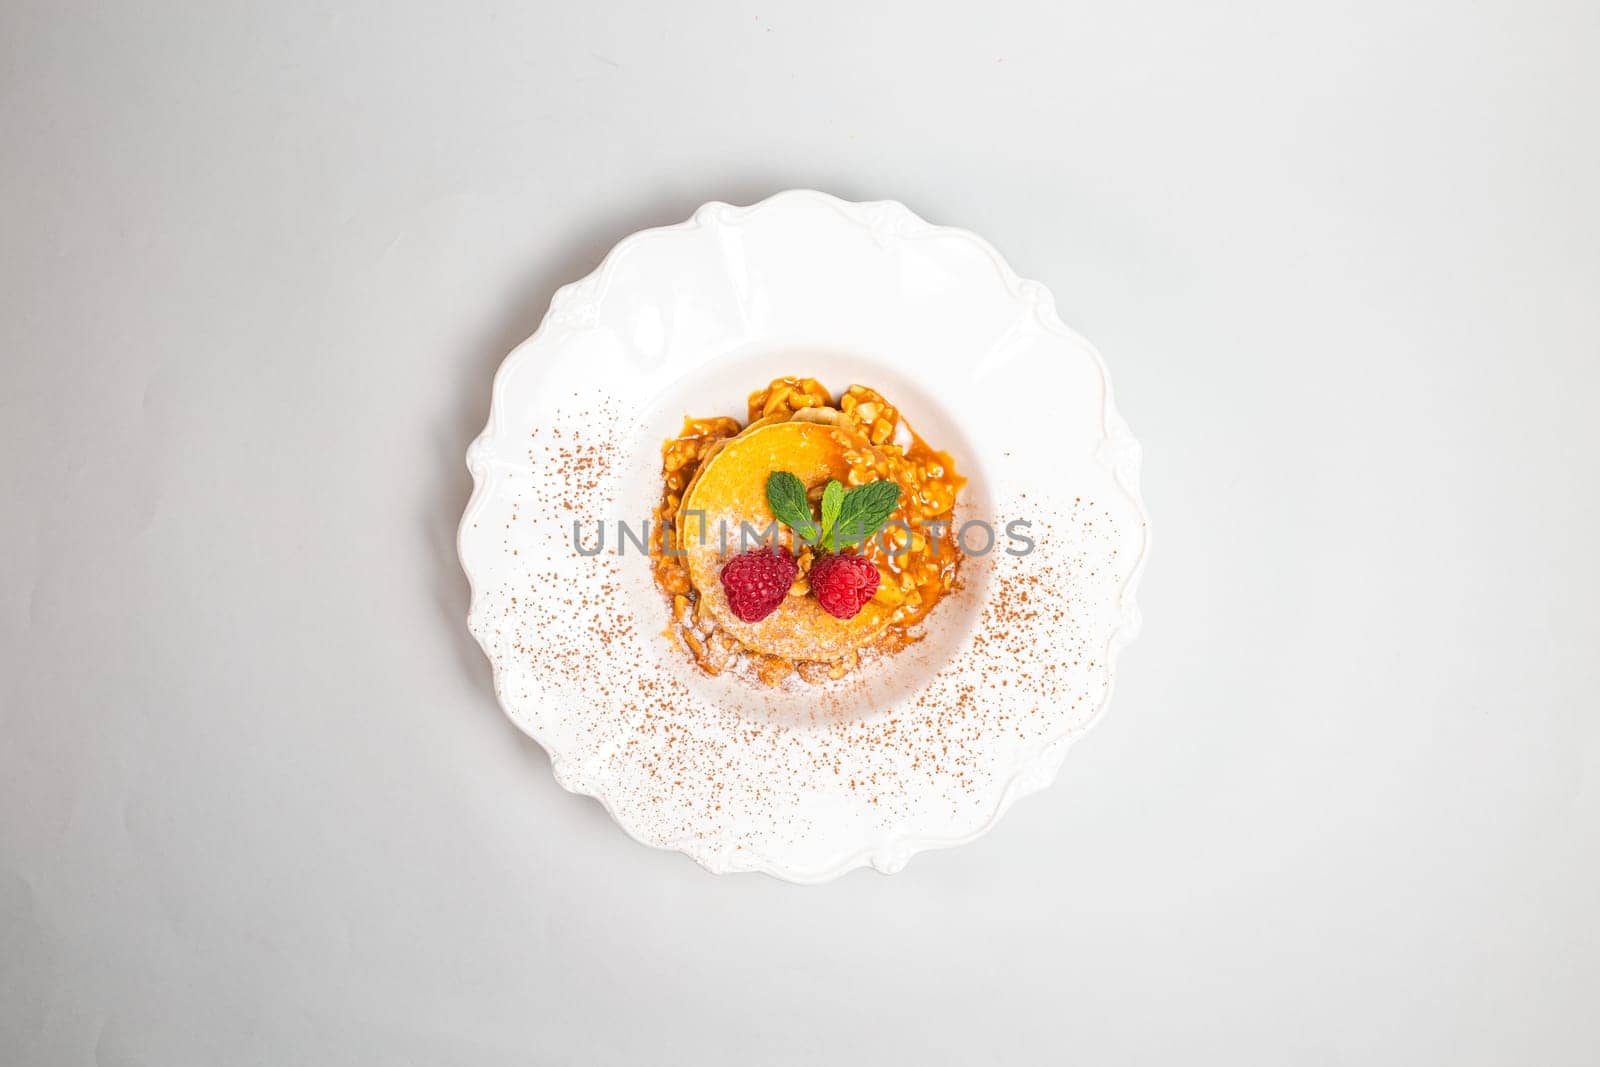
(756, 582)
(843, 584)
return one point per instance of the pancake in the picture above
(731, 488)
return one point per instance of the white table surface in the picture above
(257, 803)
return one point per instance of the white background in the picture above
(257, 265)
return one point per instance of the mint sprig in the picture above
(832, 500)
(786, 496)
(849, 517)
(862, 513)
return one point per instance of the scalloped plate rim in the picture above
(1032, 776)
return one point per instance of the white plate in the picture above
(930, 748)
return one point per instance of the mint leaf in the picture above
(832, 499)
(786, 496)
(864, 511)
